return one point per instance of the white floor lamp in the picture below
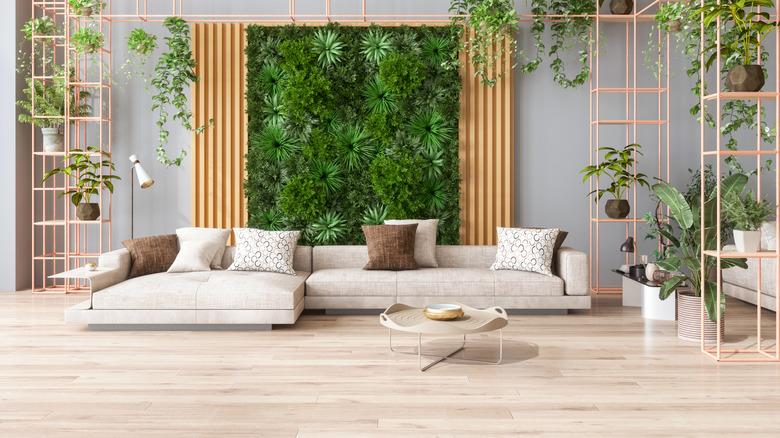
(144, 180)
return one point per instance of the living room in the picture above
(303, 218)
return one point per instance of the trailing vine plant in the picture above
(140, 45)
(174, 73)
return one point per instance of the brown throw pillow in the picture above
(150, 255)
(390, 247)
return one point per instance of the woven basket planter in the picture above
(689, 320)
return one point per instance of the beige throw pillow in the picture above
(424, 240)
(215, 235)
(195, 255)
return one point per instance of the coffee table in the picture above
(412, 320)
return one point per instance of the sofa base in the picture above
(82, 314)
(540, 304)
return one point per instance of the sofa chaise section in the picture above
(211, 297)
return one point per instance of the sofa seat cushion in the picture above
(748, 278)
(241, 290)
(153, 292)
(527, 284)
(351, 282)
(446, 282)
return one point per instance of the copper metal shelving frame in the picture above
(631, 91)
(60, 241)
(760, 353)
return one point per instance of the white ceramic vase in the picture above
(650, 270)
(52, 139)
(747, 241)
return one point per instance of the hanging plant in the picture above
(86, 40)
(173, 75)
(494, 23)
(140, 45)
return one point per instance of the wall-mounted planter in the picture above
(52, 139)
(617, 208)
(748, 78)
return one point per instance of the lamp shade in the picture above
(628, 245)
(144, 180)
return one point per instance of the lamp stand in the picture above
(132, 201)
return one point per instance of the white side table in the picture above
(644, 294)
(82, 274)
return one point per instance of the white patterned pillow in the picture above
(525, 249)
(268, 251)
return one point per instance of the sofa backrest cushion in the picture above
(465, 256)
(448, 256)
(301, 260)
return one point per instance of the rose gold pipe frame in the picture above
(718, 352)
(631, 92)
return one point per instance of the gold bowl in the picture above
(443, 312)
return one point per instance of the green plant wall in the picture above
(351, 126)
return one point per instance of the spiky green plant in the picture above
(272, 76)
(328, 228)
(375, 215)
(271, 219)
(436, 50)
(276, 143)
(327, 47)
(432, 130)
(435, 195)
(376, 45)
(433, 163)
(379, 98)
(328, 174)
(273, 109)
(353, 144)
(408, 43)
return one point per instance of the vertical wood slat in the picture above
(486, 137)
(218, 153)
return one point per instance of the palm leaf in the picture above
(678, 207)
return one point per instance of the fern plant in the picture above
(49, 97)
(375, 215)
(745, 211)
(379, 98)
(376, 45)
(328, 228)
(327, 47)
(431, 129)
(354, 147)
(275, 143)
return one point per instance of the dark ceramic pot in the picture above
(617, 208)
(745, 78)
(86, 11)
(621, 7)
(88, 211)
(689, 320)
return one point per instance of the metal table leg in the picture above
(439, 359)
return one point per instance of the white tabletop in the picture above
(79, 273)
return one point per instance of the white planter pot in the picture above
(52, 139)
(747, 241)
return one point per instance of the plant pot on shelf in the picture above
(621, 7)
(86, 11)
(747, 241)
(617, 208)
(52, 139)
(88, 211)
(689, 320)
(674, 26)
(745, 78)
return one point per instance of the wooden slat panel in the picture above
(487, 154)
(218, 153)
(486, 137)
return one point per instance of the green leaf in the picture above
(678, 207)
(670, 286)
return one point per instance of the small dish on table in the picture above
(443, 312)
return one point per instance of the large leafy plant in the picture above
(50, 96)
(173, 75)
(619, 165)
(683, 244)
(749, 25)
(90, 175)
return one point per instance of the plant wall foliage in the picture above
(351, 126)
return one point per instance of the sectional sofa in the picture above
(327, 277)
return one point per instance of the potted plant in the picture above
(747, 214)
(619, 165)
(85, 8)
(751, 27)
(90, 177)
(670, 16)
(49, 109)
(86, 40)
(682, 246)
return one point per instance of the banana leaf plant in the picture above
(682, 244)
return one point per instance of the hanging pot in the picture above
(689, 320)
(745, 78)
(52, 139)
(621, 7)
(674, 25)
(747, 241)
(88, 211)
(86, 11)
(617, 208)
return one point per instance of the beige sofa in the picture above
(327, 277)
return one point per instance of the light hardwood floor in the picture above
(606, 372)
